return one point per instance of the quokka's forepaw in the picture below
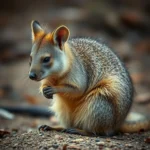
(45, 128)
(48, 92)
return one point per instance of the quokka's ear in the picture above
(37, 30)
(60, 36)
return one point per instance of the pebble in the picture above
(77, 140)
(55, 146)
(108, 140)
(45, 148)
(101, 143)
(97, 140)
(73, 147)
(128, 145)
(70, 137)
(112, 145)
(107, 148)
(15, 145)
(58, 137)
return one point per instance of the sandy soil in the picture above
(23, 134)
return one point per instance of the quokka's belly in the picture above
(64, 110)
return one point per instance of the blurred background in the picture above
(123, 24)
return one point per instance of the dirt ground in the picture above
(23, 134)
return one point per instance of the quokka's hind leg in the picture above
(61, 129)
(85, 133)
(97, 115)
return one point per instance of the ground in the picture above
(24, 135)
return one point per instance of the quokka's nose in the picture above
(32, 76)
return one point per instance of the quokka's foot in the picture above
(76, 131)
(48, 128)
(45, 128)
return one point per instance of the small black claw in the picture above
(48, 92)
(71, 131)
(44, 128)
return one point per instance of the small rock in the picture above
(41, 134)
(73, 147)
(15, 145)
(44, 148)
(112, 145)
(55, 146)
(97, 140)
(128, 145)
(14, 130)
(77, 140)
(101, 143)
(108, 140)
(58, 137)
(107, 148)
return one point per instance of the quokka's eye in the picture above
(46, 59)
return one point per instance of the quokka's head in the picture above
(48, 52)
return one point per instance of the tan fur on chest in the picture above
(64, 108)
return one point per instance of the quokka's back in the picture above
(100, 61)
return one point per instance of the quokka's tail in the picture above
(135, 122)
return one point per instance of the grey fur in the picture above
(96, 61)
